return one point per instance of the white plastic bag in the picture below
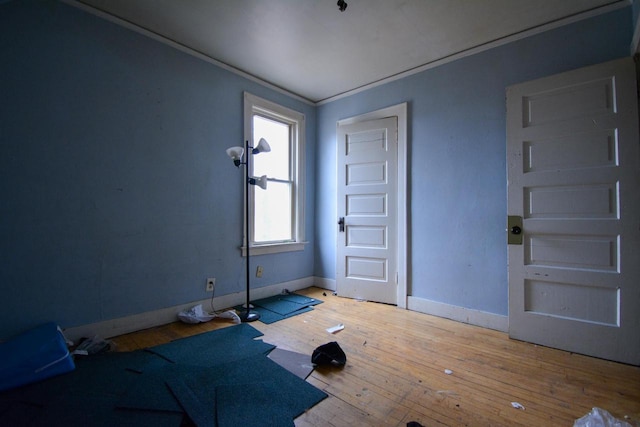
(600, 418)
(195, 315)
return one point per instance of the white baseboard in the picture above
(324, 283)
(136, 322)
(460, 314)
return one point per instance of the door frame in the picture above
(401, 112)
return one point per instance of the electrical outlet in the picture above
(211, 283)
(259, 271)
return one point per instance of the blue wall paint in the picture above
(457, 157)
(117, 195)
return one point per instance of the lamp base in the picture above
(248, 316)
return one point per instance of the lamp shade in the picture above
(262, 147)
(236, 154)
(260, 182)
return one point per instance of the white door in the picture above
(573, 166)
(367, 234)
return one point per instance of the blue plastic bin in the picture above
(34, 355)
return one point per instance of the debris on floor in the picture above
(334, 329)
(448, 371)
(599, 417)
(230, 314)
(329, 354)
(94, 345)
(517, 405)
(195, 315)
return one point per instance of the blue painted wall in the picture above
(457, 178)
(116, 195)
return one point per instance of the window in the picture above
(276, 216)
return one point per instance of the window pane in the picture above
(274, 164)
(273, 213)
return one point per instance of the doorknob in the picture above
(341, 224)
(514, 229)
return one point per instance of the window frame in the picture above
(255, 105)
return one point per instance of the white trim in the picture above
(460, 314)
(401, 112)
(162, 39)
(483, 47)
(254, 104)
(136, 322)
(275, 248)
(324, 283)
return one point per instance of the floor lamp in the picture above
(236, 155)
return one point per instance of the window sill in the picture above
(275, 248)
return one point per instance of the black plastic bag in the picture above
(329, 354)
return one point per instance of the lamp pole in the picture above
(236, 155)
(247, 315)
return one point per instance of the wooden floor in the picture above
(395, 371)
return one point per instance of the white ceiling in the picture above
(310, 48)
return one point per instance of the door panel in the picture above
(367, 183)
(573, 173)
